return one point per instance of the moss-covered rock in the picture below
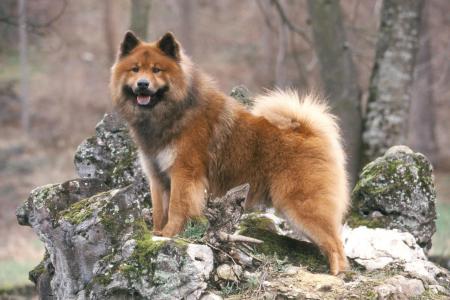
(111, 156)
(397, 191)
(284, 247)
(100, 247)
(242, 95)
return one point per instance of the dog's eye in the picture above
(156, 70)
(135, 69)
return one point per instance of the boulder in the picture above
(97, 234)
(399, 287)
(99, 247)
(375, 248)
(111, 157)
(242, 95)
(397, 191)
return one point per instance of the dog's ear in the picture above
(130, 41)
(170, 46)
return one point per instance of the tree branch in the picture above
(226, 237)
(289, 24)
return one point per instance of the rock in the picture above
(101, 248)
(427, 272)
(438, 289)
(378, 247)
(242, 95)
(272, 222)
(211, 296)
(280, 242)
(95, 231)
(304, 285)
(111, 157)
(229, 273)
(399, 186)
(399, 287)
(48, 200)
(202, 257)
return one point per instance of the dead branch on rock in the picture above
(225, 237)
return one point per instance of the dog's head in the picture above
(145, 75)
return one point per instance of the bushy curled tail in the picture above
(285, 109)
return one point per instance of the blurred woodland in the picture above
(383, 65)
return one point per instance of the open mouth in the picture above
(143, 100)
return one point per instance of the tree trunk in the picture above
(140, 10)
(280, 63)
(108, 25)
(386, 122)
(24, 66)
(338, 74)
(187, 29)
(422, 137)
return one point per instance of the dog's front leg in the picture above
(160, 203)
(186, 200)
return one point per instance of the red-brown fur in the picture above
(197, 138)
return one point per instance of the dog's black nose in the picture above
(143, 83)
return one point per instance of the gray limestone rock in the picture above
(397, 191)
(99, 247)
(111, 156)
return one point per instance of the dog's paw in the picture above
(168, 232)
(157, 232)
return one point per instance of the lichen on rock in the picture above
(397, 191)
(97, 233)
(111, 156)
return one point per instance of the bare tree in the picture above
(386, 122)
(186, 12)
(140, 10)
(281, 58)
(108, 25)
(338, 74)
(24, 66)
(422, 116)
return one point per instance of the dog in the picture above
(192, 137)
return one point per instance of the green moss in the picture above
(124, 164)
(102, 279)
(44, 196)
(195, 229)
(146, 249)
(140, 262)
(34, 274)
(370, 294)
(18, 292)
(296, 252)
(256, 221)
(355, 220)
(431, 295)
(78, 212)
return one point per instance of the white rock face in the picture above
(376, 248)
(399, 287)
(227, 272)
(424, 270)
(211, 296)
(202, 257)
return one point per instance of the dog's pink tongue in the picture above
(143, 100)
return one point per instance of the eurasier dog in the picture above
(193, 137)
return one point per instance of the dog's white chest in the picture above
(165, 158)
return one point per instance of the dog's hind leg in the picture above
(320, 227)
